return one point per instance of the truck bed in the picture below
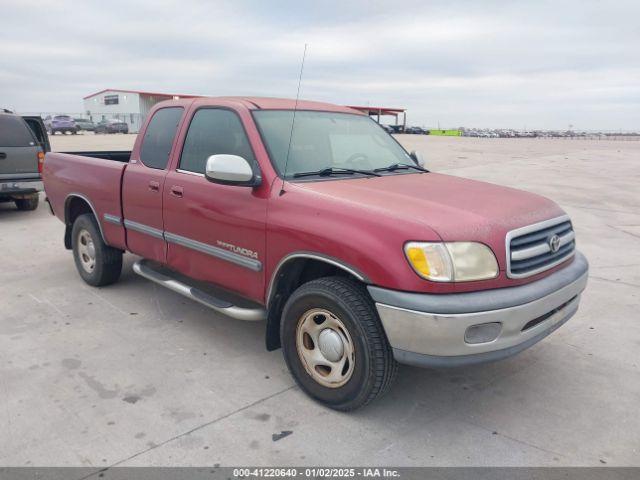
(96, 178)
(115, 155)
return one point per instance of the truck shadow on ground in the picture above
(9, 209)
(417, 392)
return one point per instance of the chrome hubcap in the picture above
(325, 348)
(86, 251)
(330, 344)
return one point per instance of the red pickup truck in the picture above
(313, 218)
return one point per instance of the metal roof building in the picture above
(130, 106)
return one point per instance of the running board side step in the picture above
(142, 268)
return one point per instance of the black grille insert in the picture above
(542, 318)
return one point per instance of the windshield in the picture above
(324, 140)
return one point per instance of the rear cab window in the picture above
(14, 132)
(214, 131)
(159, 136)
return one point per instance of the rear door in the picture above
(18, 149)
(143, 184)
(39, 130)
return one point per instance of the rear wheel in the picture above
(334, 344)
(30, 203)
(97, 263)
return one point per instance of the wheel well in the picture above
(289, 277)
(74, 207)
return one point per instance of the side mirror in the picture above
(418, 158)
(230, 170)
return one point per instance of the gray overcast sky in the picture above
(487, 64)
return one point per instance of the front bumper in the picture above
(20, 187)
(434, 330)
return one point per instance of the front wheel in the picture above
(98, 264)
(334, 344)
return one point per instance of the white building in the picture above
(130, 106)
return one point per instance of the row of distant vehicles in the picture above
(67, 124)
(402, 129)
(521, 134)
(491, 133)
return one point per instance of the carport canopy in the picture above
(381, 112)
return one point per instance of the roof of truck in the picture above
(268, 103)
(252, 103)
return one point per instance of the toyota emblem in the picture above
(554, 243)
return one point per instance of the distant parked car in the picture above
(112, 126)
(23, 143)
(388, 128)
(396, 128)
(415, 130)
(83, 124)
(60, 123)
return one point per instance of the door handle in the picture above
(154, 186)
(3, 155)
(177, 191)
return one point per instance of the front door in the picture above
(215, 233)
(143, 184)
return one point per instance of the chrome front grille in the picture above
(530, 249)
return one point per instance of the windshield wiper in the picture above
(400, 166)
(326, 172)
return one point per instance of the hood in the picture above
(457, 209)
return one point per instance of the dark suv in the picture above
(112, 126)
(23, 142)
(84, 125)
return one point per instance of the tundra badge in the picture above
(239, 250)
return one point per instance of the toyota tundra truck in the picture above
(310, 217)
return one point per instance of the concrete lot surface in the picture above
(132, 374)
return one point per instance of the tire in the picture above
(104, 267)
(26, 204)
(345, 307)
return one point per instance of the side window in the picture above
(158, 139)
(14, 132)
(213, 131)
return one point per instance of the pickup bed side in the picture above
(77, 184)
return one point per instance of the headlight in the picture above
(452, 261)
